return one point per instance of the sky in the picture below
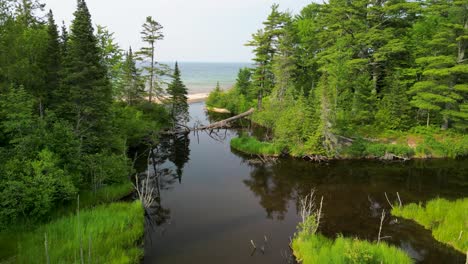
(195, 30)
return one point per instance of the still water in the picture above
(214, 201)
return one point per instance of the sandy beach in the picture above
(197, 97)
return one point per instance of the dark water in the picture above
(215, 201)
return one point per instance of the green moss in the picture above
(111, 232)
(446, 219)
(251, 145)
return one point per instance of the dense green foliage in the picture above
(250, 145)
(105, 234)
(448, 220)
(346, 70)
(71, 104)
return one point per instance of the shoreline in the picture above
(197, 97)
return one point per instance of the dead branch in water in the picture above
(388, 200)
(144, 193)
(381, 223)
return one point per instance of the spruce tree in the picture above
(53, 63)
(133, 87)
(63, 39)
(178, 98)
(86, 92)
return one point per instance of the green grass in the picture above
(88, 199)
(252, 146)
(315, 248)
(114, 231)
(309, 247)
(446, 219)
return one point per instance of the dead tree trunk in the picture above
(224, 123)
(220, 124)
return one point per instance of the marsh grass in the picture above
(10, 236)
(250, 145)
(105, 234)
(316, 248)
(310, 247)
(448, 220)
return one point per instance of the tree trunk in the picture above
(462, 44)
(152, 73)
(428, 118)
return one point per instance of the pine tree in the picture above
(152, 32)
(441, 88)
(178, 98)
(86, 92)
(53, 63)
(265, 43)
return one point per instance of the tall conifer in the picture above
(178, 98)
(53, 61)
(86, 91)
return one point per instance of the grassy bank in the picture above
(106, 234)
(9, 238)
(311, 249)
(250, 145)
(448, 220)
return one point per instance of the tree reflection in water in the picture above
(166, 162)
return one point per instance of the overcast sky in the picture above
(195, 30)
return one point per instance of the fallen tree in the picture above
(224, 123)
(220, 124)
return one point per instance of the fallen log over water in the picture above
(220, 124)
(225, 122)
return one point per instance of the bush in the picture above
(446, 219)
(231, 100)
(32, 188)
(362, 148)
(106, 168)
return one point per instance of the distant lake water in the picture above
(201, 77)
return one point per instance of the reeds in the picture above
(112, 231)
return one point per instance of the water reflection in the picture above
(354, 194)
(166, 163)
(214, 200)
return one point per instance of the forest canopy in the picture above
(345, 70)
